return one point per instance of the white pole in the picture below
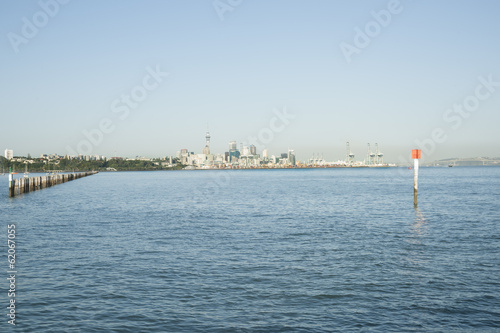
(11, 183)
(415, 181)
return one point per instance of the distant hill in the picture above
(472, 161)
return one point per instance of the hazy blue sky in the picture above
(69, 74)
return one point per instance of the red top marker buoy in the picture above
(416, 154)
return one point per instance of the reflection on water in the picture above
(418, 227)
(416, 238)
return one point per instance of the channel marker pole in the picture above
(415, 154)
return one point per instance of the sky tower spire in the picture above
(206, 150)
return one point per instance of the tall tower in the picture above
(206, 150)
(207, 138)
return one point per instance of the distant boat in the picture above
(450, 165)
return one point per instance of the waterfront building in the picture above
(253, 150)
(265, 154)
(206, 150)
(234, 156)
(245, 151)
(291, 157)
(234, 153)
(185, 157)
(9, 154)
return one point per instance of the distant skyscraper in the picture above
(9, 154)
(245, 151)
(253, 150)
(265, 153)
(291, 157)
(234, 155)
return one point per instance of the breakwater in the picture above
(25, 185)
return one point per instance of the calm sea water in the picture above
(258, 251)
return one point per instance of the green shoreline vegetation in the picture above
(64, 164)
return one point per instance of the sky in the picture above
(146, 78)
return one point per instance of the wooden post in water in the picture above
(11, 188)
(415, 154)
(26, 184)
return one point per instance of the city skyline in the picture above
(145, 79)
(370, 153)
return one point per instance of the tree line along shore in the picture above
(43, 165)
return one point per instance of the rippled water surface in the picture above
(258, 251)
